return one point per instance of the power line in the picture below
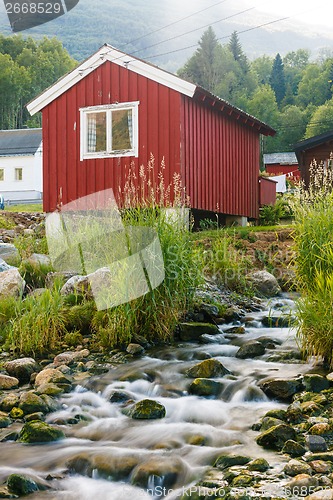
(192, 31)
(173, 23)
(221, 38)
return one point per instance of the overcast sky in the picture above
(311, 12)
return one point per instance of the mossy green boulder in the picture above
(275, 437)
(37, 431)
(193, 331)
(31, 403)
(147, 409)
(225, 461)
(204, 387)
(21, 485)
(209, 368)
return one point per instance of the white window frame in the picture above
(3, 174)
(109, 153)
(16, 171)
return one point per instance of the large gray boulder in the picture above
(264, 283)
(11, 283)
(22, 368)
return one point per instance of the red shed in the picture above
(267, 191)
(282, 163)
(318, 148)
(114, 110)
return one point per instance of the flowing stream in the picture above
(220, 424)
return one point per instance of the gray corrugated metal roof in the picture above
(20, 142)
(282, 158)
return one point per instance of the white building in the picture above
(21, 164)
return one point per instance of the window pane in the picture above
(122, 130)
(96, 132)
(18, 174)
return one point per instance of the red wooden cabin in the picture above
(318, 148)
(282, 163)
(114, 110)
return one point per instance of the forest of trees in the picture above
(292, 94)
(27, 68)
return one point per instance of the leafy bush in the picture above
(270, 215)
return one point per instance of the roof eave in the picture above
(238, 114)
(104, 54)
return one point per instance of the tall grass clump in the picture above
(38, 324)
(146, 202)
(314, 263)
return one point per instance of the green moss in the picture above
(37, 431)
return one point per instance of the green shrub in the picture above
(6, 223)
(73, 339)
(270, 215)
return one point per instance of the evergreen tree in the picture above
(277, 79)
(237, 51)
(201, 67)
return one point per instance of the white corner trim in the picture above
(108, 53)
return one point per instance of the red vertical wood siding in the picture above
(267, 191)
(220, 160)
(278, 169)
(66, 177)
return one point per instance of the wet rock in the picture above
(209, 368)
(239, 330)
(293, 448)
(52, 376)
(316, 443)
(315, 383)
(80, 464)
(147, 409)
(119, 397)
(277, 413)
(197, 440)
(264, 283)
(34, 416)
(135, 349)
(11, 283)
(192, 331)
(16, 413)
(5, 421)
(205, 387)
(232, 313)
(276, 321)
(259, 465)
(39, 432)
(50, 389)
(22, 368)
(167, 469)
(302, 482)
(295, 467)
(282, 389)
(320, 429)
(21, 485)
(320, 467)
(31, 403)
(7, 382)
(268, 422)
(225, 461)
(70, 357)
(250, 350)
(295, 413)
(275, 437)
(8, 401)
(115, 467)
